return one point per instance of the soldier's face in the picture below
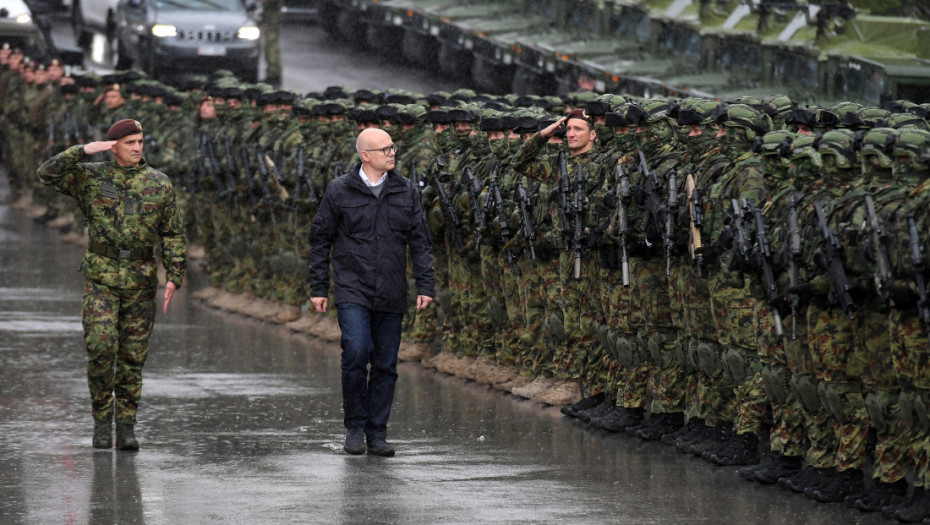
(207, 110)
(579, 135)
(128, 150)
(113, 99)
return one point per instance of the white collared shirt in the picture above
(368, 182)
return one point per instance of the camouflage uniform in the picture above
(128, 210)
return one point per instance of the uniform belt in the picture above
(112, 252)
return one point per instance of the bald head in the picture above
(372, 138)
(371, 145)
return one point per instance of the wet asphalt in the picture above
(241, 422)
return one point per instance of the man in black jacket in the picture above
(367, 220)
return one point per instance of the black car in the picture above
(197, 36)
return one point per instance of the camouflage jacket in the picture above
(126, 208)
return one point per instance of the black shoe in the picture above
(355, 441)
(717, 436)
(660, 424)
(618, 420)
(126, 437)
(841, 485)
(700, 432)
(743, 449)
(584, 404)
(609, 420)
(917, 509)
(889, 510)
(380, 447)
(596, 412)
(880, 495)
(784, 466)
(103, 434)
(672, 437)
(805, 478)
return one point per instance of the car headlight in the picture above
(164, 31)
(23, 19)
(249, 33)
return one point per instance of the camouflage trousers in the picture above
(617, 331)
(580, 304)
(538, 280)
(494, 311)
(117, 324)
(657, 337)
(910, 353)
(476, 336)
(789, 434)
(512, 331)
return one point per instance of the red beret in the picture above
(123, 128)
(579, 113)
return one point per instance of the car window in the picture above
(200, 5)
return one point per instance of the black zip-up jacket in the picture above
(367, 238)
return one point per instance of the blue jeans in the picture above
(368, 337)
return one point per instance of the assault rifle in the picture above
(672, 205)
(697, 222)
(527, 218)
(831, 250)
(768, 276)
(495, 192)
(652, 188)
(740, 234)
(794, 255)
(620, 220)
(453, 225)
(882, 275)
(918, 269)
(486, 212)
(249, 182)
(564, 205)
(208, 165)
(578, 212)
(266, 193)
(473, 187)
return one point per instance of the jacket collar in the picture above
(393, 181)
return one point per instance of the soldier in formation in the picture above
(742, 280)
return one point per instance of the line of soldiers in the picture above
(723, 277)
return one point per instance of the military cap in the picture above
(873, 116)
(173, 98)
(801, 117)
(69, 89)
(88, 79)
(336, 92)
(386, 111)
(616, 120)
(363, 114)
(123, 128)
(654, 109)
(365, 95)
(409, 114)
(462, 114)
(491, 120)
(462, 94)
(215, 90)
(597, 107)
(579, 114)
(438, 116)
(697, 111)
(437, 99)
(112, 87)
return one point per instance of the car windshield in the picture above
(200, 5)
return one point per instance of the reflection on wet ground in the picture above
(241, 423)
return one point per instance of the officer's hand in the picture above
(170, 288)
(97, 147)
(423, 301)
(320, 303)
(551, 129)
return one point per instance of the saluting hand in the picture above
(97, 147)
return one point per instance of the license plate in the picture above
(211, 51)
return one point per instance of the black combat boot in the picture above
(672, 437)
(585, 404)
(597, 412)
(719, 435)
(917, 509)
(743, 449)
(841, 485)
(880, 495)
(700, 432)
(805, 478)
(126, 437)
(609, 418)
(782, 467)
(103, 434)
(660, 424)
(621, 418)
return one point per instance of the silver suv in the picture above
(198, 36)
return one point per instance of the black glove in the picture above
(781, 304)
(903, 296)
(589, 241)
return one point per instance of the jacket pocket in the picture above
(355, 215)
(400, 212)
